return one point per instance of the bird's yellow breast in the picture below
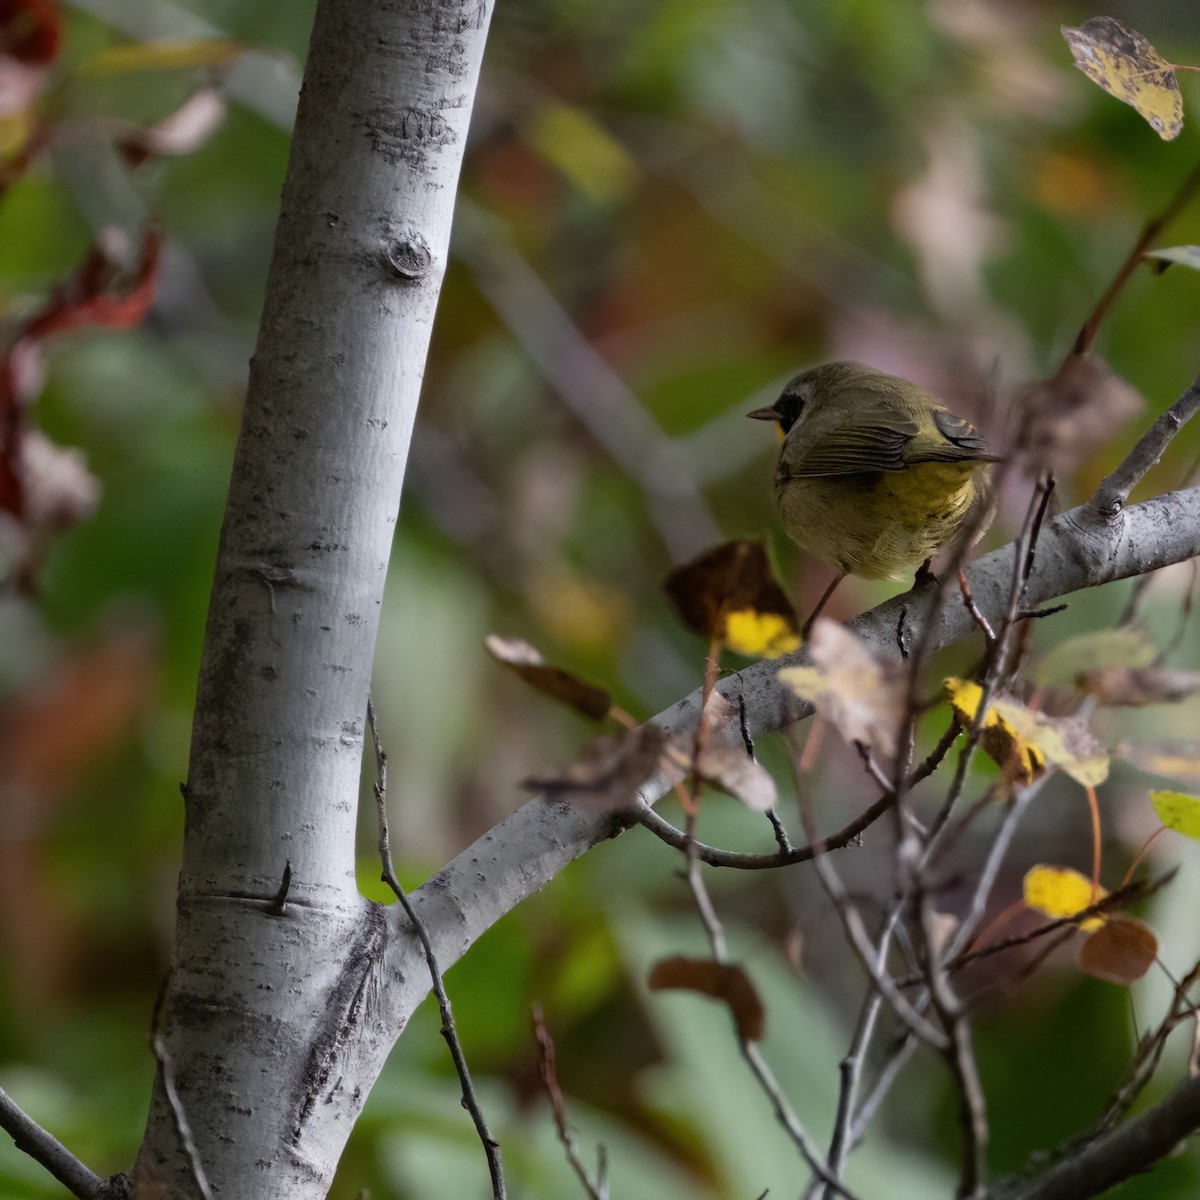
(879, 524)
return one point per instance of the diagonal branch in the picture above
(1078, 549)
(46, 1149)
(1114, 491)
(1125, 1151)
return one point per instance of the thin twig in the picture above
(780, 831)
(1087, 334)
(676, 838)
(1113, 492)
(44, 1148)
(898, 1054)
(859, 939)
(785, 1114)
(969, 600)
(959, 1056)
(934, 760)
(182, 1127)
(449, 1031)
(547, 1072)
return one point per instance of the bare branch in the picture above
(716, 857)
(46, 1149)
(449, 1031)
(1129, 1149)
(1078, 550)
(1114, 491)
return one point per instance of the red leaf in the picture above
(97, 295)
(30, 30)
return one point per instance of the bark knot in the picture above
(409, 257)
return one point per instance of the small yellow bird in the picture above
(875, 474)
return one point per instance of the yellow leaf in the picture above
(1014, 754)
(161, 56)
(760, 634)
(1125, 65)
(1022, 741)
(728, 594)
(1061, 892)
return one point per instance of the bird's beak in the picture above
(765, 414)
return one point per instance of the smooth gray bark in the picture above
(270, 1033)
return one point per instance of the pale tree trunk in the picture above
(278, 1013)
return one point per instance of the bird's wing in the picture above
(951, 439)
(875, 440)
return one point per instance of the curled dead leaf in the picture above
(1122, 647)
(722, 981)
(526, 661)
(609, 773)
(1177, 760)
(1022, 742)
(860, 695)
(183, 131)
(722, 760)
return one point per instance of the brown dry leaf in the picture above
(1135, 687)
(527, 662)
(609, 773)
(858, 694)
(1125, 65)
(1122, 950)
(721, 981)
(722, 762)
(729, 594)
(1068, 417)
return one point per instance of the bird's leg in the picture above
(924, 576)
(816, 612)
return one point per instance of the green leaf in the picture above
(1104, 648)
(1178, 811)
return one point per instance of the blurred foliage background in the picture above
(667, 208)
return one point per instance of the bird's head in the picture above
(811, 386)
